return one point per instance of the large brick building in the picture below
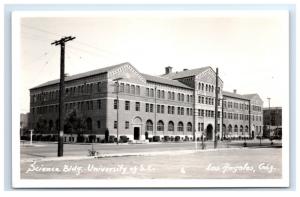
(173, 104)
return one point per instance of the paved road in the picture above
(43, 150)
(249, 163)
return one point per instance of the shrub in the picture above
(166, 138)
(92, 138)
(80, 139)
(156, 138)
(112, 139)
(124, 139)
(177, 138)
(25, 137)
(172, 138)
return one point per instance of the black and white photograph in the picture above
(151, 99)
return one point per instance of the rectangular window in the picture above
(151, 92)
(173, 110)
(115, 124)
(169, 109)
(126, 124)
(169, 95)
(187, 111)
(122, 87)
(147, 92)
(151, 107)
(163, 94)
(202, 126)
(127, 105)
(147, 107)
(173, 96)
(158, 93)
(99, 124)
(158, 108)
(127, 88)
(115, 104)
(137, 106)
(182, 111)
(162, 109)
(132, 91)
(99, 104)
(178, 111)
(138, 90)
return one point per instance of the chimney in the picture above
(168, 70)
(234, 91)
(185, 69)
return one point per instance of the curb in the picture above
(109, 155)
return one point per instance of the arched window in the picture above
(149, 125)
(229, 128)
(199, 86)
(160, 125)
(235, 128)
(180, 126)
(89, 124)
(246, 129)
(241, 130)
(171, 126)
(189, 126)
(202, 88)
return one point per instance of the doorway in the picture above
(209, 132)
(136, 133)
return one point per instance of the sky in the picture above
(251, 50)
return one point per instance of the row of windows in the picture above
(159, 108)
(235, 105)
(69, 92)
(235, 129)
(207, 100)
(127, 88)
(256, 108)
(170, 95)
(171, 126)
(236, 116)
(84, 105)
(206, 87)
(207, 113)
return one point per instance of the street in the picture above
(249, 163)
(230, 160)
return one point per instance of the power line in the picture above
(41, 30)
(78, 42)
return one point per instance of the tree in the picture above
(74, 123)
(41, 125)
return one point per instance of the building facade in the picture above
(272, 121)
(119, 100)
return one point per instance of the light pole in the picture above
(269, 99)
(117, 92)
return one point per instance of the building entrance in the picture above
(136, 133)
(209, 132)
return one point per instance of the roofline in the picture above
(198, 73)
(237, 98)
(171, 85)
(37, 87)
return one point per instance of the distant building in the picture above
(175, 104)
(272, 118)
(24, 123)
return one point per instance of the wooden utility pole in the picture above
(61, 42)
(216, 107)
